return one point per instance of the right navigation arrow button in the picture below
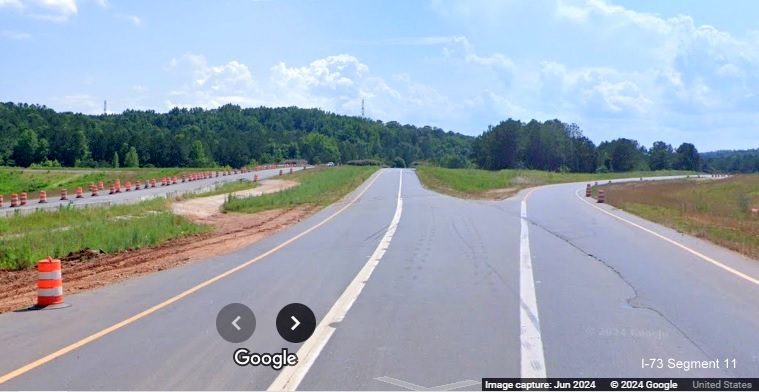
(296, 323)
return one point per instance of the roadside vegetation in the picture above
(26, 239)
(718, 211)
(485, 184)
(319, 187)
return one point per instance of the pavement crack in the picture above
(474, 254)
(633, 301)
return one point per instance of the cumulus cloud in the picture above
(15, 35)
(607, 66)
(335, 83)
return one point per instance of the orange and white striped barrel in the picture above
(64, 194)
(152, 182)
(111, 189)
(100, 186)
(79, 193)
(601, 196)
(118, 186)
(23, 199)
(137, 185)
(1, 201)
(184, 178)
(217, 173)
(14, 200)
(128, 186)
(587, 191)
(174, 180)
(49, 283)
(43, 197)
(163, 181)
(255, 178)
(224, 173)
(94, 189)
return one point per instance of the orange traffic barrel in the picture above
(100, 185)
(94, 190)
(14, 200)
(128, 186)
(79, 193)
(255, 178)
(49, 284)
(152, 182)
(43, 197)
(64, 194)
(184, 178)
(137, 185)
(174, 180)
(118, 186)
(587, 191)
(601, 196)
(217, 173)
(23, 199)
(1, 201)
(112, 189)
(224, 173)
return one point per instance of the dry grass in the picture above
(718, 210)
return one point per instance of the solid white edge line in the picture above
(290, 377)
(673, 242)
(533, 360)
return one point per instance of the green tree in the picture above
(115, 160)
(26, 150)
(198, 155)
(687, 157)
(132, 159)
(660, 156)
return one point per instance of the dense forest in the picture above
(235, 136)
(556, 146)
(229, 135)
(738, 161)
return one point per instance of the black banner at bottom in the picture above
(620, 384)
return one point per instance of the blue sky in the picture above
(649, 70)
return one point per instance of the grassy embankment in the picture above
(25, 239)
(320, 187)
(719, 210)
(484, 184)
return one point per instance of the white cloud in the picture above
(15, 35)
(335, 83)
(54, 10)
(135, 20)
(11, 4)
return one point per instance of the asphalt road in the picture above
(135, 196)
(411, 292)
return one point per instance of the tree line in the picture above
(235, 136)
(556, 146)
(227, 136)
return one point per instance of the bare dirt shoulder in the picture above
(89, 269)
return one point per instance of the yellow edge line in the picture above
(679, 245)
(176, 298)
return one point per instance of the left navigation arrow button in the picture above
(236, 323)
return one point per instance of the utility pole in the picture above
(362, 108)
(105, 107)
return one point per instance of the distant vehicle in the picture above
(330, 163)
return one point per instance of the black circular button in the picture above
(236, 323)
(296, 323)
